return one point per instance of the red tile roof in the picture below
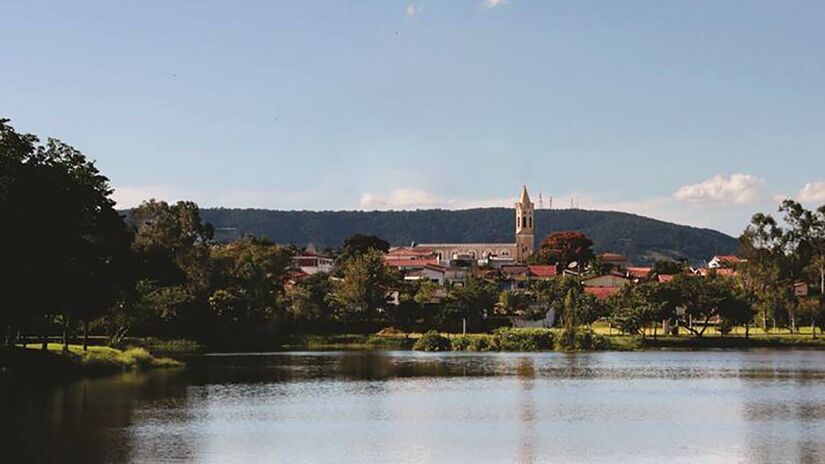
(542, 271)
(639, 272)
(664, 278)
(731, 258)
(602, 293)
(720, 271)
(397, 262)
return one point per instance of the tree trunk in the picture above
(792, 318)
(85, 335)
(65, 333)
(747, 330)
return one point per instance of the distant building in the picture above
(801, 289)
(520, 251)
(724, 261)
(602, 293)
(614, 260)
(429, 272)
(719, 271)
(409, 258)
(638, 273)
(664, 278)
(604, 286)
(608, 280)
(310, 261)
(542, 272)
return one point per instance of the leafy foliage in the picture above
(432, 341)
(566, 248)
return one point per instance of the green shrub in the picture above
(478, 342)
(586, 339)
(484, 343)
(432, 341)
(524, 339)
(460, 343)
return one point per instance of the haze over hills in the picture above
(641, 239)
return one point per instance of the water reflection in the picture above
(756, 406)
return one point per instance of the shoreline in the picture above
(353, 342)
(53, 366)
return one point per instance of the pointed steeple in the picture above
(524, 199)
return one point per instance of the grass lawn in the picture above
(106, 358)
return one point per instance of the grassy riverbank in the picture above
(526, 340)
(55, 365)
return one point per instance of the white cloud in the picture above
(412, 10)
(738, 189)
(494, 3)
(813, 192)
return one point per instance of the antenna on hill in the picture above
(550, 202)
(541, 200)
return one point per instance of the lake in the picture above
(406, 407)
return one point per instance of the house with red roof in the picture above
(542, 272)
(724, 261)
(602, 293)
(664, 278)
(604, 286)
(310, 261)
(638, 273)
(410, 258)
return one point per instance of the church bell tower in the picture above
(524, 227)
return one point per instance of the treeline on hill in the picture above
(642, 240)
(71, 263)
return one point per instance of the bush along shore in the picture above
(55, 365)
(585, 339)
(518, 340)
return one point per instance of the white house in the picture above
(312, 262)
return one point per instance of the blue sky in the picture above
(697, 112)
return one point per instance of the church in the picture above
(520, 251)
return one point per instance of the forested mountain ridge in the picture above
(641, 239)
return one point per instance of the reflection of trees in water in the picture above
(85, 421)
(786, 429)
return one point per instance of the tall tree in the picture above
(471, 302)
(364, 287)
(564, 248)
(764, 269)
(66, 265)
(248, 278)
(173, 265)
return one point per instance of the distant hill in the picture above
(641, 239)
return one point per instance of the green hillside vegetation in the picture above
(641, 239)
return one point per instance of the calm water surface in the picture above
(355, 407)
